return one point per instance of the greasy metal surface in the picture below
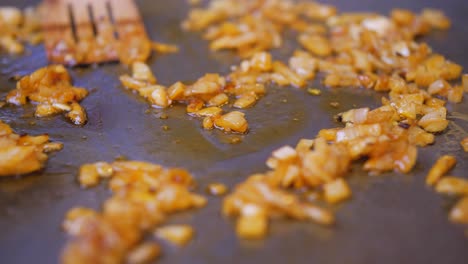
(391, 219)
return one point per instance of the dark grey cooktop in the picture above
(391, 219)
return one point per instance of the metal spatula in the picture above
(93, 31)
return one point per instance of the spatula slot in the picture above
(71, 17)
(112, 19)
(92, 19)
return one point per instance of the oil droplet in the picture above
(314, 91)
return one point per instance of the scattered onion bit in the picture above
(143, 194)
(452, 186)
(74, 219)
(144, 254)
(440, 168)
(164, 48)
(253, 224)
(464, 144)
(217, 189)
(88, 176)
(336, 191)
(23, 154)
(233, 121)
(465, 82)
(436, 18)
(179, 235)
(459, 213)
(51, 90)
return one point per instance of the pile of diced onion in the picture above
(51, 90)
(204, 98)
(23, 154)
(143, 195)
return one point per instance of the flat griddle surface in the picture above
(391, 219)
